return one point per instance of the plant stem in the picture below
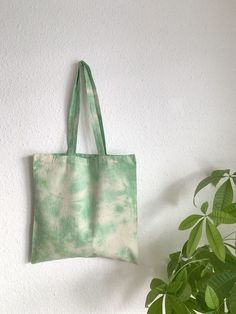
(191, 262)
(230, 245)
(229, 235)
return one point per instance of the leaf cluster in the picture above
(202, 279)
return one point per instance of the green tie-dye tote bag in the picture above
(84, 204)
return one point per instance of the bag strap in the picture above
(95, 112)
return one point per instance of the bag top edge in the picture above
(64, 156)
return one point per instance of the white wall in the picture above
(166, 76)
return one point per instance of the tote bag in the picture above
(84, 204)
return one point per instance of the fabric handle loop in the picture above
(94, 109)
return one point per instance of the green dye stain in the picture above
(119, 209)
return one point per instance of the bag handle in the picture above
(95, 112)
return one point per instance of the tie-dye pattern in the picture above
(85, 204)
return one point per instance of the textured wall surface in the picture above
(166, 76)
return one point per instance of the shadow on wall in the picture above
(157, 245)
(28, 170)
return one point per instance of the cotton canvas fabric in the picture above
(85, 205)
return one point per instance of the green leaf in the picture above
(175, 256)
(157, 287)
(211, 179)
(182, 275)
(222, 283)
(194, 238)
(204, 207)
(211, 298)
(228, 265)
(184, 249)
(186, 292)
(219, 174)
(152, 295)
(173, 263)
(207, 271)
(222, 217)
(200, 297)
(193, 305)
(156, 307)
(189, 222)
(202, 252)
(215, 240)
(168, 306)
(223, 196)
(231, 209)
(171, 268)
(174, 286)
(234, 178)
(178, 282)
(177, 305)
(231, 301)
(235, 243)
(156, 282)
